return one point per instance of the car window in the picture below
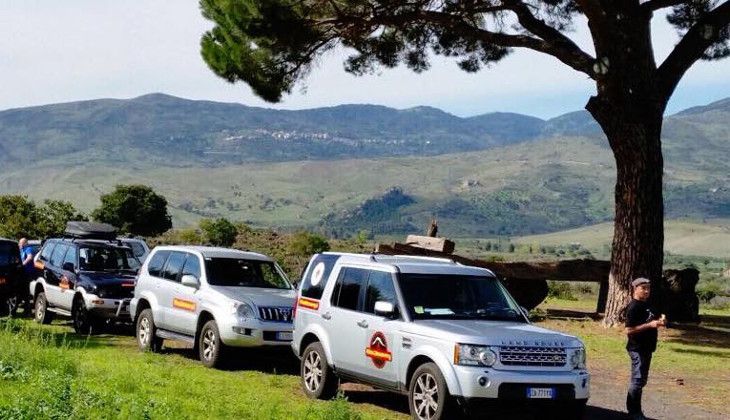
(107, 258)
(137, 248)
(58, 254)
(380, 288)
(9, 253)
(346, 293)
(244, 273)
(192, 266)
(317, 274)
(154, 268)
(174, 266)
(47, 251)
(70, 256)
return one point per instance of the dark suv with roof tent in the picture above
(88, 275)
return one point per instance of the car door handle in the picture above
(327, 315)
(362, 324)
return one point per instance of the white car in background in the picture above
(212, 298)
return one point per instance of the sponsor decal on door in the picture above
(184, 304)
(378, 351)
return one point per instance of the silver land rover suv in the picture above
(212, 298)
(447, 335)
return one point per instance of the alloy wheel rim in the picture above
(425, 397)
(39, 309)
(209, 344)
(144, 330)
(312, 371)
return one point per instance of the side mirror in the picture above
(385, 309)
(68, 266)
(190, 281)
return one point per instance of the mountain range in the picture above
(354, 167)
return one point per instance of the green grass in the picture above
(684, 237)
(49, 372)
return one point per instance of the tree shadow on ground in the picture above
(360, 394)
(713, 331)
(272, 360)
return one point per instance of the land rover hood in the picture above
(493, 333)
(259, 296)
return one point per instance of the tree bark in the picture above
(634, 133)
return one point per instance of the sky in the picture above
(61, 51)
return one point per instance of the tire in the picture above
(146, 332)
(211, 350)
(428, 395)
(42, 316)
(84, 322)
(5, 307)
(317, 378)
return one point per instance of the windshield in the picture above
(107, 259)
(244, 273)
(9, 254)
(137, 248)
(430, 296)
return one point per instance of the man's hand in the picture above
(649, 325)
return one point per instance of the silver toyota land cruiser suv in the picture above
(449, 336)
(212, 298)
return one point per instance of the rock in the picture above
(678, 298)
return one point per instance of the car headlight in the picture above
(243, 310)
(469, 355)
(578, 358)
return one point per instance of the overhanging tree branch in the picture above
(655, 5)
(703, 34)
(562, 47)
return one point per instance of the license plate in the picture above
(284, 336)
(545, 393)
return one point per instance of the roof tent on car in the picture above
(90, 230)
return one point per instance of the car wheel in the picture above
(318, 379)
(147, 339)
(211, 349)
(42, 316)
(428, 396)
(84, 322)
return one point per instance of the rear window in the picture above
(137, 248)
(317, 274)
(9, 253)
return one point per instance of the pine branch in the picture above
(703, 34)
(654, 5)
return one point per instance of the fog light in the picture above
(483, 381)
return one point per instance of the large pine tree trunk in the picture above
(638, 242)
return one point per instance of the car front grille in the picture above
(533, 356)
(275, 313)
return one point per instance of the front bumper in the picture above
(480, 382)
(254, 332)
(107, 308)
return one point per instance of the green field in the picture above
(682, 237)
(49, 372)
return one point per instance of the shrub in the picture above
(560, 290)
(305, 244)
(219, 232)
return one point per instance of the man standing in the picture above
(641, 328)
(26, 256)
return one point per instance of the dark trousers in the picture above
(640, 362)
